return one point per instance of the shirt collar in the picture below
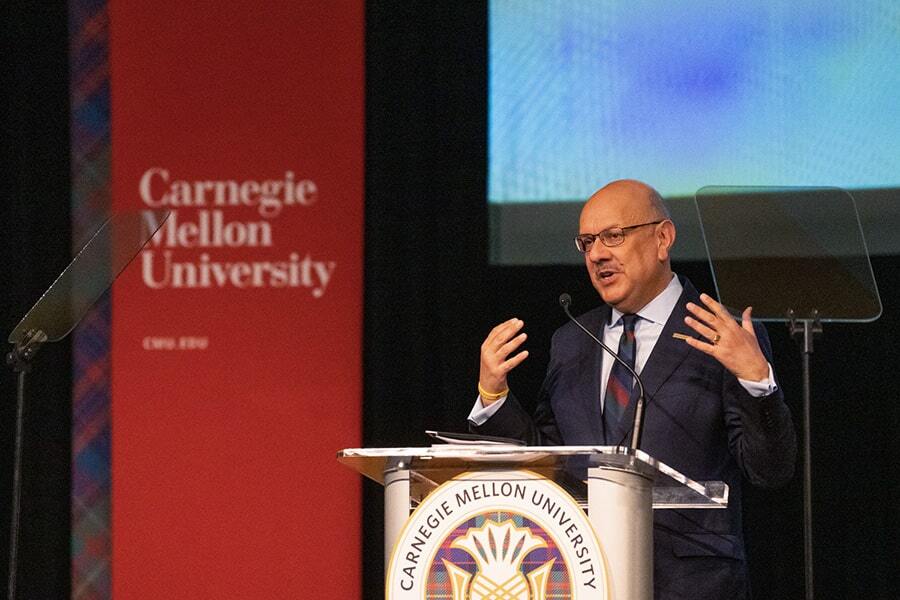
(658, 309)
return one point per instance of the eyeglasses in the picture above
(614, 236)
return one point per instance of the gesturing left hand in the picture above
(732, 344)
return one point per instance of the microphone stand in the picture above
(637, 426)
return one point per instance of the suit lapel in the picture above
(667, 355)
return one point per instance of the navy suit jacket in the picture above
(698, 420)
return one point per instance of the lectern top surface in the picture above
(567, 465)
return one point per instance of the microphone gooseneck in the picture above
(638, 425)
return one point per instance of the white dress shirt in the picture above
(653, 317)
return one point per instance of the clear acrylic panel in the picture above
(566, 465)
(89, 274)
(782, 249)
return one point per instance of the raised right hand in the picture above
(502, 341)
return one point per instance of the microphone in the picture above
(638, 425)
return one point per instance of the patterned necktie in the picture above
(618, 388)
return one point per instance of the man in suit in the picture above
(713, 407)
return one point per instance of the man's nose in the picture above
(598, 252)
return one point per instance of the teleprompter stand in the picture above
(797, 256)
(57, 313)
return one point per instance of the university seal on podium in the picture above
(498, 535)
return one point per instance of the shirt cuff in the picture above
(481, 413)
(758, 389)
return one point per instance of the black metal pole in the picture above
(807, 328)
(808, 332)
(16, 490)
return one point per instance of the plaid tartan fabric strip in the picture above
(620, 383)
(90, 150)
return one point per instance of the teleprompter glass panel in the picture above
(783, 249)
(90, 273)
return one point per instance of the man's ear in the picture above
(665, 239)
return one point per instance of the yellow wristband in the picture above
(488, 395)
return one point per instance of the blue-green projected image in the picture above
(688, 94)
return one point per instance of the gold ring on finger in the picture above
(716, 339)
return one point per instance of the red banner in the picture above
(236, 361)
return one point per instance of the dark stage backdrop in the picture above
(430, 299)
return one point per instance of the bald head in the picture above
(633, 196)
